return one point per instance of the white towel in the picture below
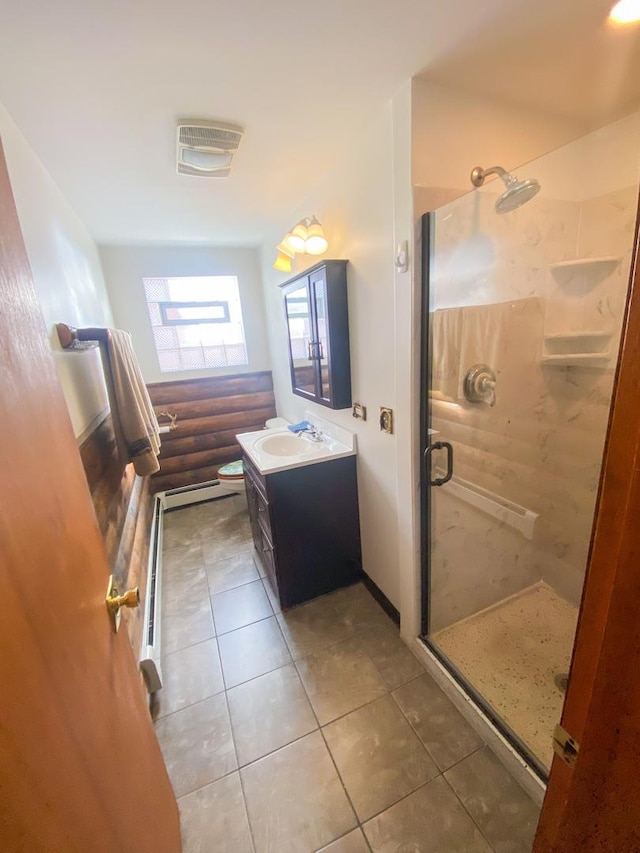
(134, 420)
(482, 330)
(446, 341)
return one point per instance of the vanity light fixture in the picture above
(285, 256)
(282, 263)
(296, 238)
(305, 238)
(625, 12)
(316, 242)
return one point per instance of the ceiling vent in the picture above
(205, 149)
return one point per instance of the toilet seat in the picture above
(231, 471)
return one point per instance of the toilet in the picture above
(231, 475)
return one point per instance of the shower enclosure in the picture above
(524, 291)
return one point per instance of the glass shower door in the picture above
(521, 326)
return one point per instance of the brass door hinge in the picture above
(565, 746)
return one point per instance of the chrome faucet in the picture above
(312, 433)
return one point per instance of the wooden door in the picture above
(80, 766)
(595, 805)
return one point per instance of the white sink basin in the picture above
(286, 445)
(277, 450)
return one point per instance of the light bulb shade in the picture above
(316, 242)
(295, 239)
(625, 12)
(283, 263)
(285, 249)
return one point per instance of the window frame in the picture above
(166, 321)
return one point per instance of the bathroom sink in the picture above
(285, 444)
(275, 450)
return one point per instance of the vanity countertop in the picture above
(274, 450)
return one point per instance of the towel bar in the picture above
(72, 338)
(505, 511)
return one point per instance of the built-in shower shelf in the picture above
(585, 263)
(584, 348)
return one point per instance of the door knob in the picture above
(114, 601)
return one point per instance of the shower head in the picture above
(517, 192)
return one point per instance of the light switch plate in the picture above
(359, 412)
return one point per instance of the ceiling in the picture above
(96, 88)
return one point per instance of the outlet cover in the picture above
(386, 420)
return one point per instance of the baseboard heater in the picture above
(150, 651)
(171, 499)
(186, 495)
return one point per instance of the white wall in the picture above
(66, 272)
(126, 266)
(355, 204)
(454, 131)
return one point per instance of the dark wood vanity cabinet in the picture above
(318, 330)
(305, 526)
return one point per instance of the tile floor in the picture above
(511, 653)
(311, 730)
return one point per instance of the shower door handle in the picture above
(439, 445)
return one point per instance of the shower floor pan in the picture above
(511, 654)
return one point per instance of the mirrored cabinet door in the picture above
(321, 349)
(301, 339)
(318, 326)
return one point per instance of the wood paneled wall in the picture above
(123, 504)
(210, 412)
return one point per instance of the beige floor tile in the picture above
(390, 655)
(438, 723)
(241, 606)
(431, 820)
(197, 744)
(218, 516)
(339, 679)
(189, 675)
(188, 593)
(354, 842)
(261, 569)
(273, 598)
(378, 756)
(186, 625)
(182, 562)
(359, 608)
(511, 654)
(181, 528)
(231, 572)
(505, 813)
(313, 626)
(295, 800)
(269, 712)
(229, 545)
(252, 651)
(225, 529)
(214, 819)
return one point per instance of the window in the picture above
(196, 322)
